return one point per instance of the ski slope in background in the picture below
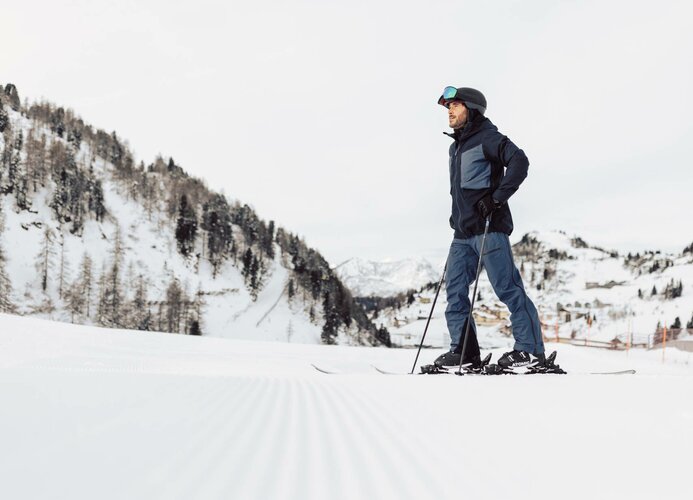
(93, 413)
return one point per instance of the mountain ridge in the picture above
(157, 245)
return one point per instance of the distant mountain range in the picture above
(365, 277)
(582, 291)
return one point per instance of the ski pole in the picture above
(440, 283)
(476, 283)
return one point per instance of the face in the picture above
(457, 114)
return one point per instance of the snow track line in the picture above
(235, 455)
(265, 433)
(402, 450)
(196, 465)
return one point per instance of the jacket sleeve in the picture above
(503, 151)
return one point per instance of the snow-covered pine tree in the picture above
(268, 242)
(174, 299)
(291, 289)
(85, 281)
(113, 292)
(36, 161)
(141, 315)
(6, 305)
(329, 328)
(64, 275)
(75, 300)
(44, 259)
(254, 277)
(101, 305)
(216, 220)
(186, 226)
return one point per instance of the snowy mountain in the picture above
(88, 235)
(366, 277)
(583, 293)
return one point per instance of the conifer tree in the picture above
(75, 300)
(268, 244)
(186, 226)
(44, 259)
(329, 328)
(6, 305)
(195, 328)
(101, 305)
(216, 220)
(174, 305)
(253, 277)
(64, 274)
(113, 292)
(141, 315)
(247, 264)
(79, 293)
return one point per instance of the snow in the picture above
(98, 413)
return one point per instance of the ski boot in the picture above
(476, 367)
(450, 358)
(547, 366)
(518, 359)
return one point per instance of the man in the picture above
(486, 168)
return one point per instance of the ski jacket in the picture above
(478, 158)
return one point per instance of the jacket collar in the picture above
(469, 129)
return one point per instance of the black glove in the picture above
(487, 205)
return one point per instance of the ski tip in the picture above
(618, 372)
(321, 370)
(387, 372)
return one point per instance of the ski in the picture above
(386, 372)
(454, 372)
(326, 372)
(547, 367)
(617, 372)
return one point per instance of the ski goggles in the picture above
(449, 93)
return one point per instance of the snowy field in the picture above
(90, 413)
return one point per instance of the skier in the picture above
(480, 189)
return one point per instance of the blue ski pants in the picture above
(507, 284)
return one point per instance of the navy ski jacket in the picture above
(478, 158)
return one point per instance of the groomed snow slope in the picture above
(92, 413)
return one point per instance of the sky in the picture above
(323, 117)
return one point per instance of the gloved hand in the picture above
(487, 205)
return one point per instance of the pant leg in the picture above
(461, 271)
(507, 283)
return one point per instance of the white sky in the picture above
(323, 115)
